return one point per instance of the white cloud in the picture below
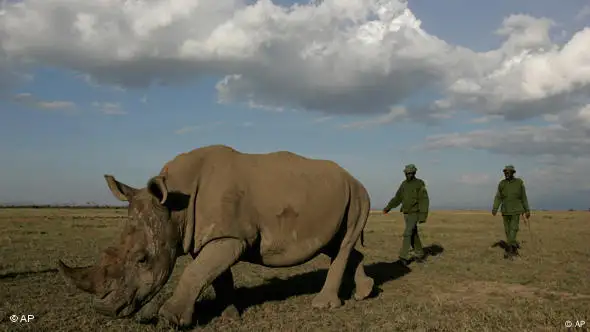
(569, 135)
(356, 56)
(343, 57)
(109, 108)
(30, 100)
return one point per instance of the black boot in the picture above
(403, 261)
(508, 252)
(515, 250)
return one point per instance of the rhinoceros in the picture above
(223, 206)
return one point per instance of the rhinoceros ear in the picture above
(120, 190)
(157, 187)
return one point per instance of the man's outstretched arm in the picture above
(396, 200)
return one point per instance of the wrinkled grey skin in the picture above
(128, 275)
(221, 206)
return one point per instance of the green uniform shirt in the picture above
(511, 195)
(413, 197)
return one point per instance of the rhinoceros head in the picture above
(130, 274)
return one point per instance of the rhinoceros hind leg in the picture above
(214, 259)
(328, 296)
(364, 284)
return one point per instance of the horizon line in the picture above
(121, 206)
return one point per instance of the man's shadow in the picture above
(503, 245)
(277, 289)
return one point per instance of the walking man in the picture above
(512, 196)
(413, 197)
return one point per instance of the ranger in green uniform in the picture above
(413, 197)
(512, 196)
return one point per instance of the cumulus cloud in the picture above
(357, 56)
(341, 57)
(568, 136)
(29, 100)
(368, 57)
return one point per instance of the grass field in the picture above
(467, 287)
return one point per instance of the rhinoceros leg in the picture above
(328, 296)
(364, 284)
(225, 293)
(213, 260)
(150, 311)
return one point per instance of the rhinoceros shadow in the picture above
(276, 289)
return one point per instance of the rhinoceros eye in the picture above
(142, 259)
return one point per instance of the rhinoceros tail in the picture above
(363, 204)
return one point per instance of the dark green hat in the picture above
(509, 168)
(410, 168)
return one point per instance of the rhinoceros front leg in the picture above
(225, 293)
(214, 259)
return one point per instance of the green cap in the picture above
(509, 168)
(411, 168)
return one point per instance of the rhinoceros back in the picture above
(287, 207)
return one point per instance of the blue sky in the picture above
(76, 114)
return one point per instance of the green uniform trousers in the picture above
(511, 226)
(411, 237)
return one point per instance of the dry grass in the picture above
(469, 287)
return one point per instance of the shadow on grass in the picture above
(503, 245)
(277, 289)
(433, 250)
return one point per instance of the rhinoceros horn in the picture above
(83, 277)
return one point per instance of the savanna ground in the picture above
(466, 287)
